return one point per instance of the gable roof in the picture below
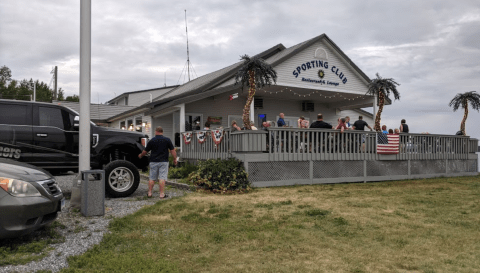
(203, 86)
(140, 91)
(280, 54)
(98, 112)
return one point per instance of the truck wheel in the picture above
(121, 178)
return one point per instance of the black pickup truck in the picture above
(46, 135)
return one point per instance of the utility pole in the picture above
(55, 95)
(85, 94)
(34, 91)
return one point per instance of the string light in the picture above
(338, 95)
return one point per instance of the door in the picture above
(16, 131)
(56, 142)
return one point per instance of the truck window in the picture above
(51, 117)
(13, 114)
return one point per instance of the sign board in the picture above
(215, 120)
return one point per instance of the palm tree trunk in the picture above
(465, 115)
(381, 102)
(251, 93)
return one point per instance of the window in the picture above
(193, 122)
(51, 117)
(126, 100)
(138, 124)
(13, 114)
(122, 125)
(130, 125)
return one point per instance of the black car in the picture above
(46, 135)
(29, 198)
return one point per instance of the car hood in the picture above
(22, 171)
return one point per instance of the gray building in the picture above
(314, 77)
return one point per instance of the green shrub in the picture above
(219, 175)
(182, 171)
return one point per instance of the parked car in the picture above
(29, 198)
(46, 135)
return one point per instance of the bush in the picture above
(181, 172)
(219, 175)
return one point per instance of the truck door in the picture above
(16, 131)
(54, 138)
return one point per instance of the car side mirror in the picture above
(76, 122)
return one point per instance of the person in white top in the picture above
(347, 122)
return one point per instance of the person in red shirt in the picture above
(341, 125)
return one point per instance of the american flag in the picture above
(387, 144)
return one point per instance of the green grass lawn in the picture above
(430, 225)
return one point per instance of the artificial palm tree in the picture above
(382, 87)
(254, 72)
(461, 101)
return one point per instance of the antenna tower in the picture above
(188, 65)
(188, 52)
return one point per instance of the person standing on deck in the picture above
(404, 127)
(159, 147)
(281, 121)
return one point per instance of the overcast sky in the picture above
(432, 48)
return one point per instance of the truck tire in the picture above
(121, 178)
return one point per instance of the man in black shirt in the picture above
(360, 124)
(159, 147)
(320, 123)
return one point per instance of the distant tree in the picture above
(73, 98)
(5, 75)
(10, 90)
(60, 95)
(254, 72)
(44, 93)
(382, 87)
(461, 100)
(24, 90)
(5, 79)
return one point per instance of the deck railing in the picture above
(208, 149)
(293, 144)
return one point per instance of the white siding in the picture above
(354, 84)
(115, 124)
(120, 101)
(167, 124)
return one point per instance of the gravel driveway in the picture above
(81, 233)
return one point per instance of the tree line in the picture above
(23, 90)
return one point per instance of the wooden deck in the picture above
(286, 156)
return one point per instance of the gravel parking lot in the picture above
(81, 233)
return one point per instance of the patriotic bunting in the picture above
(201, 136)
(187, 138)
(217, 136)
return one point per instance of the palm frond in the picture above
(264, 73)
(385, 85)
(462, 99)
